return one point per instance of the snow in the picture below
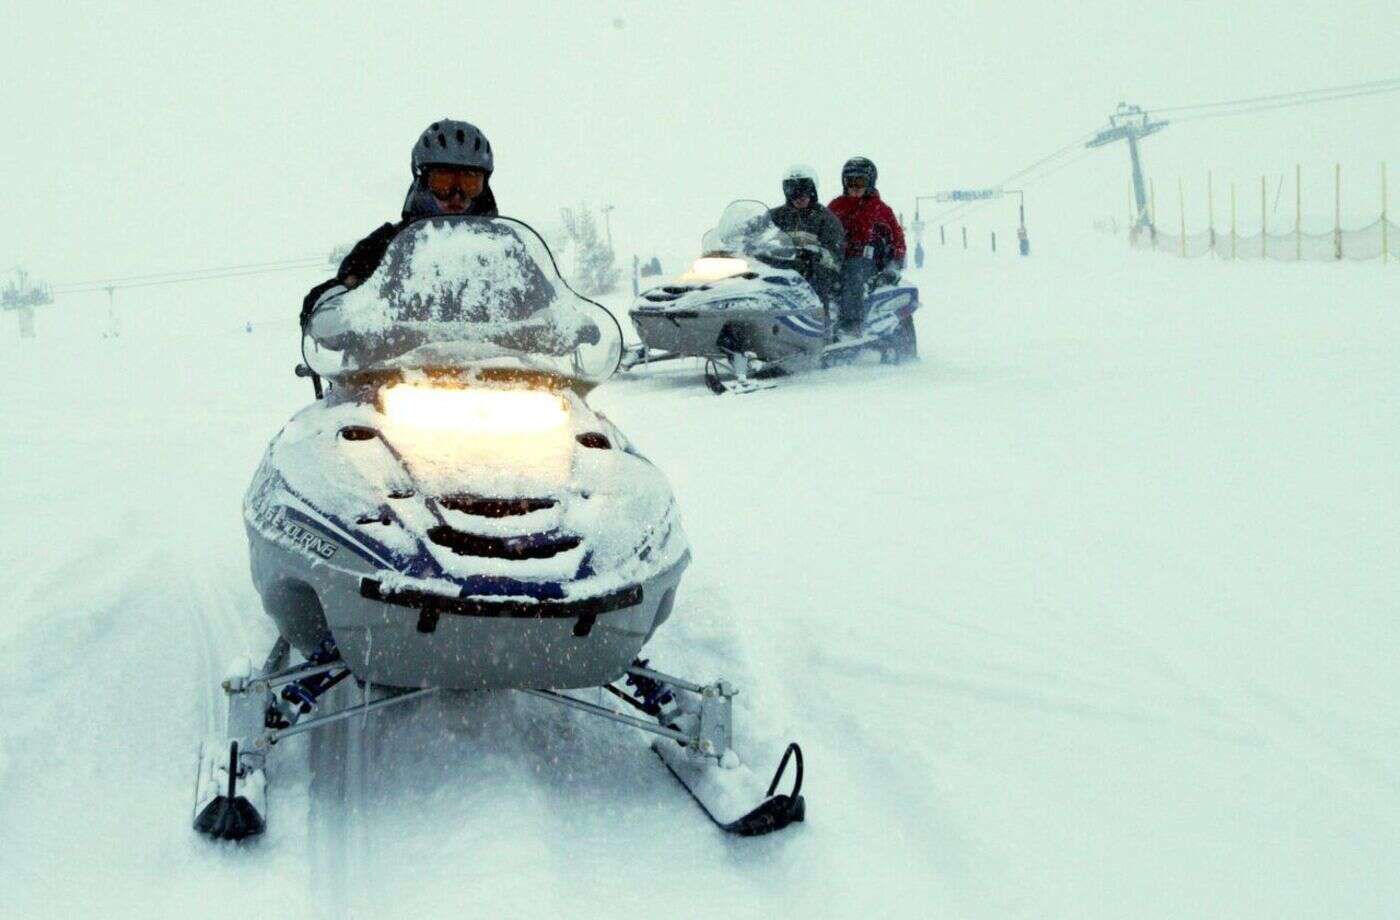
(1089, 613)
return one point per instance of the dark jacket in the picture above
(366, 255)
(865, 219)
(817, 221)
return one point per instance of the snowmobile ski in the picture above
(726, 794)
(230, 796)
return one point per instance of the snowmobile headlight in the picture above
(713, 268)
(476, 410)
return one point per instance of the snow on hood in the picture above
(458, 291)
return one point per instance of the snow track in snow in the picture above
(1089, 612)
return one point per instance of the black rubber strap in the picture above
(436, 605)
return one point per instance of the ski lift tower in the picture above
(1131, 123)
(22, 297)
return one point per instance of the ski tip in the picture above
(773, 815)
(229, 819)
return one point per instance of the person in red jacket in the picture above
(874, 239)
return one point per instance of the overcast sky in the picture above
(163, 136)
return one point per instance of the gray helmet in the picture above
(452, 143)
(860, 166)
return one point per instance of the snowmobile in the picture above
(746, 308)
(449, 514)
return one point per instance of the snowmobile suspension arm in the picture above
(281, 678)
(665, 679)
(605, 712)
(272, 736)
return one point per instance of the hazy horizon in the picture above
(161, 139)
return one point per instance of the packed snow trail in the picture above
(1088, 613)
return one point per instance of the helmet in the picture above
(800, 179)
(860, 166)
(452, 143)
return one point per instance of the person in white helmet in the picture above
(816, 231)
(452, 165)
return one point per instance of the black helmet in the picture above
(452, 143)
(799, 180)
(860, 166)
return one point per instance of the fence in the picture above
(1379, 239)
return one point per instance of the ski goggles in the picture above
(443, 181)
(855, 181)
(798, 188)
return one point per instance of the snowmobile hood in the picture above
(569, 512)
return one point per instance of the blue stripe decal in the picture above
(801, 329)
(321, 528)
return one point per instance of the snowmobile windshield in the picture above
(457, 292)
(746, 229)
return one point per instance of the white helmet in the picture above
(799, 179)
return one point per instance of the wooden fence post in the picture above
(1263, 217)
(1181, 202)
(1233, 236)
(1337, 228)
(1210, 206)
(1298, 211)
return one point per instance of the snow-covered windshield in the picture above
(456, 292)
(745, 229)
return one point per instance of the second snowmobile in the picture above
(746, 309)
(451, 514)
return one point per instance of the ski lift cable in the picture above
(1378, 85)
(299, 266)
(1269, 107)
(1250, 105)
(967, 206)
(192, 274)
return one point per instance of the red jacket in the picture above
(860, 216)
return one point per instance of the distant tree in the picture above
(594, 269)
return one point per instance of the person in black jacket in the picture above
(817, 233)
(452, 166)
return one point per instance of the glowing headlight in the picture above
(715, 268)
(482, 411)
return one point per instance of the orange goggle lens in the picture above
(443, 182)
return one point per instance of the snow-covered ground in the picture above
(1092, 612)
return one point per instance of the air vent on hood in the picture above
(494, 507)
(531, 546)
(594, 439)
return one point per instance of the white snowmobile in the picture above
(746, 308)
(451, 514)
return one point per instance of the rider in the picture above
(874, 239)
(452, 168)
(815, 230)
